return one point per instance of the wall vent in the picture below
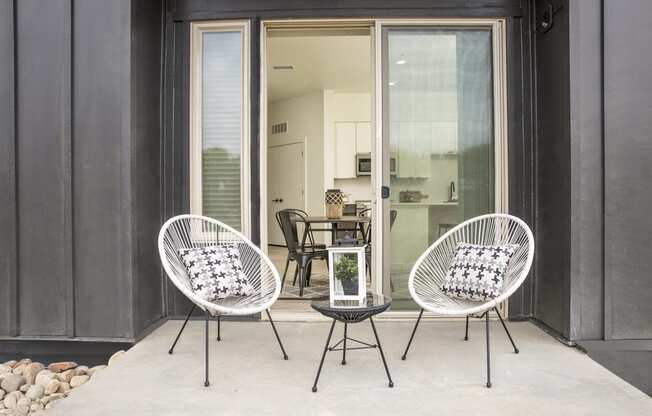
(280, 128)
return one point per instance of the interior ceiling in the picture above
(340, 62)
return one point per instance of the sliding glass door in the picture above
(441, 138)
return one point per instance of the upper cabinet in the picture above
(412, 146)
(351, 138)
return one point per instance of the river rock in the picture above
(66, 375)
(51, 398)
(10, 402)
(35, 392)
(62, 366)
(5, 369)
(44, 377)
(35, 407)
(115, 357)
(64, 387)
(31, 371)
(78, 381)
(24, 388)
(22, 407)
(12, 382)
(52, 386)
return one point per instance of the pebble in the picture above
(35, 392)
(64, 387)
(62, 366)
(2, 394)
(66, 375)
(115, 357)
(22, 407)
(10, 363)
(44, 377)
(5, 369)
(51, 398)
(12, 382)
(24, 387)
(52, 387)
(9, 402)
(81, 370)
(35, 407)
(31, 371)
(78, 381)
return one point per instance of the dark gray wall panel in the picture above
(628, 168)
(586, 297)
(146, 154)
(102, 168)
(552, 174)
(43, 164)
(8, 278)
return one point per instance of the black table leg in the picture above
(344, 346)
(382, 355)
(321, 363)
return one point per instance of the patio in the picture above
(442, 374)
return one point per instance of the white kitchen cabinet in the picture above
(363, 137)
(444, 138)
(413, 149)
(345, 150)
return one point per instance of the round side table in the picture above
(352, 312)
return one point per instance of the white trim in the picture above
(500, 128)
(197, 29)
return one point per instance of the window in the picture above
(219, 127)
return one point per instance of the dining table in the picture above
(353, 222)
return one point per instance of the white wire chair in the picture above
(194, 231)
(429, 272)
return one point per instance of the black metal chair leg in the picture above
(412, 336)
(206, 383)
(296, 273)
(219, 321)
(344, 345)
(488, 353)
(302, 280)
(506, 330)
(323, 355)
(171, 350)
(466, 332)
(285, 272)
(382, 355)
(271, 321)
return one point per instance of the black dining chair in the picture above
(302, 255)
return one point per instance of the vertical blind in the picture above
(221, 127)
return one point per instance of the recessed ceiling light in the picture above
(401, 61)
(392, 83)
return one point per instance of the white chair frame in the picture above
(188, 231)
(429, 272)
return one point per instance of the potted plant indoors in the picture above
(346, 272)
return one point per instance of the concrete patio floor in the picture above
(442, 375)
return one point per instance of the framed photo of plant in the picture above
(347, 273)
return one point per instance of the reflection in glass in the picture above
(221, 126)
(439, 116)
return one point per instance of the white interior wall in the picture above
(305, 117)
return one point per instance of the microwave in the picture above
(363, 164)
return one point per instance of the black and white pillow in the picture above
(477, 271)
(216, 271)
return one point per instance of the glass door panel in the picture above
(438, 127)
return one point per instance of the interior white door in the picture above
(285, 184)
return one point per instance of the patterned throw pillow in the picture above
(216, 272)
(477, 271)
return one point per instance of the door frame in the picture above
(499, 78)
(499, 66)
(303, 143)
